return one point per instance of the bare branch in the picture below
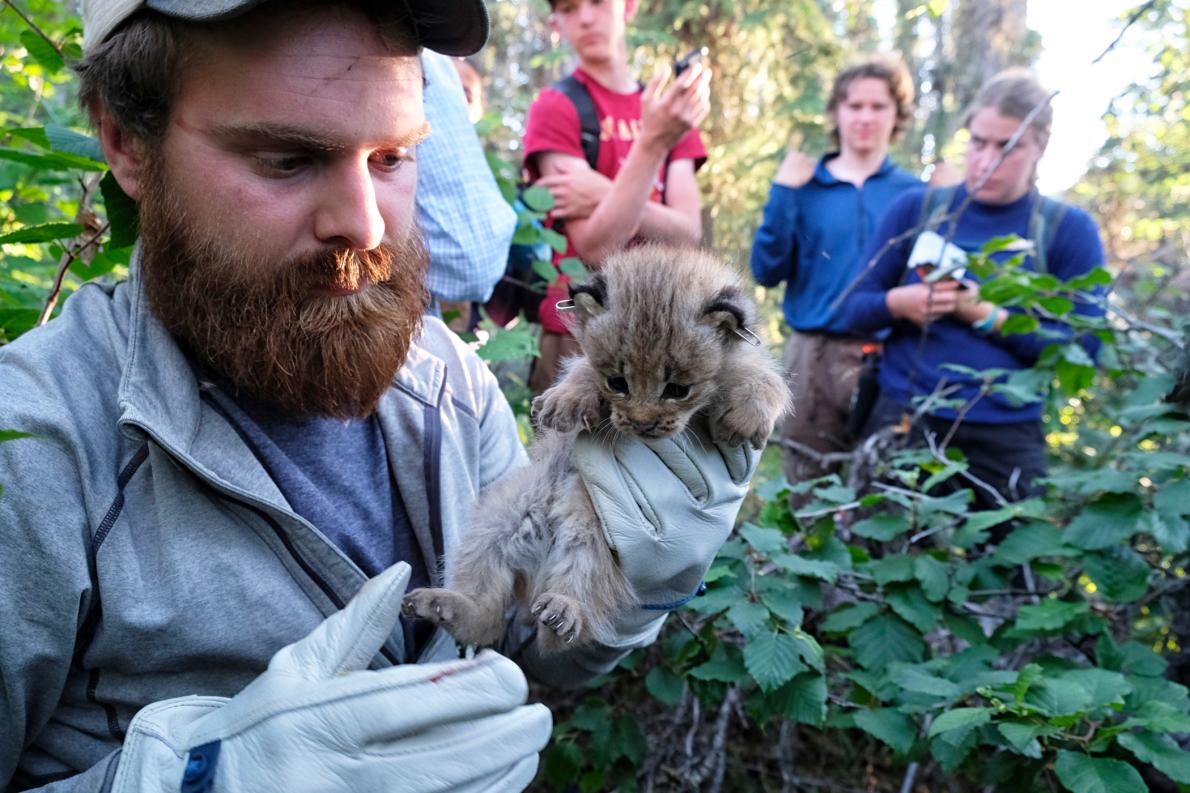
(1135, 16)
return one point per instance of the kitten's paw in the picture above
(559, 619)
(454, 612)
(564, 409)
(742, 422)
(439, 606)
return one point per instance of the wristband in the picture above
(988, 323)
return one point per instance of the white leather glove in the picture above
(318, 720)
(666, 507)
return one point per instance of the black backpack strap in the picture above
(588, 119)
(1044, 221)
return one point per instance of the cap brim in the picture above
(452, 27)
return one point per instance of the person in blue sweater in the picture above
(818, 219)
(932, 325)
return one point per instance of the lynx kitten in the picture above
(665, 333)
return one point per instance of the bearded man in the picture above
(241, 456)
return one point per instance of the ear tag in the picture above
(565, 305)
(747, 336)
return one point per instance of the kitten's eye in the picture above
(618, 384)
(675, 391)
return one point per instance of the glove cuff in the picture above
(674, 604)
(154, 751)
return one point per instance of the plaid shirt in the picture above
(468, 225)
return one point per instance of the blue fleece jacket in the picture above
(812, 237)
(1075, 250)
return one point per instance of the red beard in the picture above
(278, 332)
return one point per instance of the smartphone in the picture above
(689, 59)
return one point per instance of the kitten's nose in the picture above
(644, 427)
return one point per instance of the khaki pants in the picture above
(822, 372)
(554, 347)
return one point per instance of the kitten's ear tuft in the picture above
(590, 297)
(728, 312)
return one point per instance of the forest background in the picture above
(873, 641)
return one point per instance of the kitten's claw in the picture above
(561, 615)
(742, 423)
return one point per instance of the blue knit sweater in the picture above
(1075, 250)
(812, 237)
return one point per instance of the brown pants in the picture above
(554, 347)
(822, 372)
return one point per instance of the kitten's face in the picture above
(654, 386)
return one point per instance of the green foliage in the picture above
(891, 617)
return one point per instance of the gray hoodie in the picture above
(146, 554)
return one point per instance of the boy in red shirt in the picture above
(643, 186)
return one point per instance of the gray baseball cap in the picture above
(452, 27)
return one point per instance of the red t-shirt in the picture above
(553, 126)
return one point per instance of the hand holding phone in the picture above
(689, 59)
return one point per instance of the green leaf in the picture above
(46, 232)
(66, 141)
(809, 650)
(12, 435)
(1131, 658)
(911, 604)
(1097, 277)
(885, 639)
(1081, 773)
(882, 528)
(511, 344)
(916, 679)
(574, 268)
(724, 666)
(1057, 697)
(892, 568)
(1103, 687)
(748, 617)
(781, 601)
(965, 719)
(1050, 615)
(772, 659)
(539, 199)
(933, 577)
(561, 762)
(802, 699)
(1161, 752)
(665, 685)
(103, 262)
(1020, 735)
(1172, 532)
(592, 715)
(848, 616)
(545, 270)
(42, 51)
(1111, 519)
(123, 220)
(554, 240)
(763, 540)
(798, 565)
(52, 161)
(1019, 323)
(1121, 574)
(1030, 541)
(1057, 304)
(890, 726)
(1160, 717)
(1173, 498)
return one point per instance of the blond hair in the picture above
(1014, 93)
